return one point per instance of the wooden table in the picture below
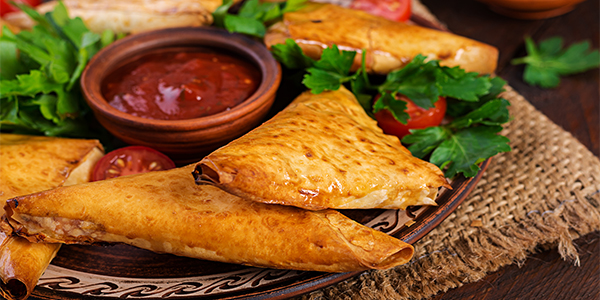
(574, 105)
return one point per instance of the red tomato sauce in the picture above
(176, 85)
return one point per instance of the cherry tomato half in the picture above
(395, 10)
(418, 117)
(5, 7)
(130, 160)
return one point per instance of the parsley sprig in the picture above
(548, 61)
(253, 16)
(471, 137)
(458, 146)
(39, 90)
(424, 82)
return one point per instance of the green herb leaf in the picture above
(263, 12)
(106, 38)
(61, 60)
(291, 55)
(29, 84)
(43, 96)
(396, 107)
(457, 108)
(220, 13)
(493, 112)
(293, 5)
(456, 83)
(464, 142)
(416, 80)
(251, 9)
(423, 141)
(361, 85)
(330, 71)
(465, 149)
(319, 80)
(425, 81)
(9, 63)
(546, 63)
(273, 13)
(253, 16)
(334, 60)
(245, 25)
(47, 103)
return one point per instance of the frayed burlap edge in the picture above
(546, 191)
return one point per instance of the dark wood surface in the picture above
(574, 105)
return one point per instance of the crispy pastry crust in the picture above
(322, 151)
(389, 45)
(31, 164)
(166, 212)
(129, 16)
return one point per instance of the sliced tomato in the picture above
(418, 118)
(5, 7)
(395, 10)
(130, 160)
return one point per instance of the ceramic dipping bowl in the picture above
(186, 140)
(531, 9)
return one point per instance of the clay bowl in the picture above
(531, 9)
(189, 140)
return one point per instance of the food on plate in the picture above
(389, 45)
(167, 212)
(130, 160)
(128, 16)
(31, 164)
(181, 84)
(322, 151)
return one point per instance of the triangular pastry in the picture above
(322, 151)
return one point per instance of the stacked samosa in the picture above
(167, 213)
(322, 151)
(27, 165)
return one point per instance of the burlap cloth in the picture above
(546, 191)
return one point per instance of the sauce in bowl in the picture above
(180, 84)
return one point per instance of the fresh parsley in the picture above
(425, 81)
(291, 55)
(331, 71)
(472, 135)
(462, 144)
(253, 16)
(39, 90)
(548, 61)
(473, 103)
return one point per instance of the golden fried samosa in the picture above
(129, 16)
(322, 151)
(389, 45)
(166, 212)
(31, 164)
